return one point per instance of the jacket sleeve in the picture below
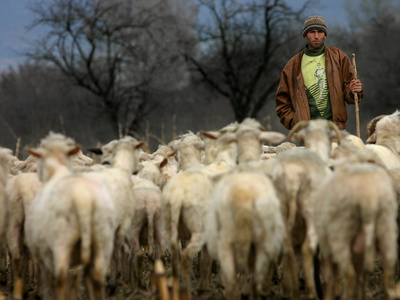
(284, 106)
(348, 75)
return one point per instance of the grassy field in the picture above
(123, 291)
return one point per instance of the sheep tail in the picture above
(292, 209)
(150, 235)
(83, 204)
(243, 222)
(369, 258)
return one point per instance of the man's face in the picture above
(315, 38)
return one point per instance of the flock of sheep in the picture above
(224, 203)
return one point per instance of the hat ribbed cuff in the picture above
(308, 28)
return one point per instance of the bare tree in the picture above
(362, 12)
(119, 50)
(375, 23)
(36, 99)
(241, 49)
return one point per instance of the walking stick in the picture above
(356, 97)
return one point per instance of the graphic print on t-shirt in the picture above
(315, 81)
(318, 90)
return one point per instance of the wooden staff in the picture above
(356, 97)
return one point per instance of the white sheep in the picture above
(21, 189)
(71, 220)
(147, 228)
(24, 166)
(225, 158)
(123, 160)
(5, 159)
(384, 136)
(244, 227)
(250, 135)
(186, 200)
(171, 168)
(245, 231)
(317, 135)
(355, 216)
(296, 174)
(152, 170)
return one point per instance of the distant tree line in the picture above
(155, 69)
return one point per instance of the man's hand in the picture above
(355, 86)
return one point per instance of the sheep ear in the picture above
(138, 145)
(95, 151)
(163, 163)
(298, 137)
(271, 137)
(172, 153)
(371, 139)
(74, 151)
(211, 134)
(34, 152)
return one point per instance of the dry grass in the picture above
(374, 289)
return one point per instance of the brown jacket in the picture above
(291, 99)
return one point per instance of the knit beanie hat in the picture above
(314, 22)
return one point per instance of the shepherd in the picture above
(317, 82)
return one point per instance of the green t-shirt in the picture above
(316, 83)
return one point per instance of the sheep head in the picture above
(371, 135)
(316, 135)
(54, 155)
(387, 131)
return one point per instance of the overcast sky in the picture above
(14, 17)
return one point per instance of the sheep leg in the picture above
(150, 235)
(358, 262)
(350, 284)
(331, 279)
(205, 269)
(228, 273)
(46, 283)
(290, 283)
(102, 254)
(114, 267)
(134, 263)
(62, 257)
(17, 279)
(174, 248)
(35, 275)
(361, 286)
(124, 261)
(171, 221)
(387, 250)
(3, 262)
(14, 242)
(160, 243)
(136, 252)
(136, 257)
(263, 270)
(308, 269)
(388, 262)
(94, 279)
(74, 283)
(194, 246)
(140, 266)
